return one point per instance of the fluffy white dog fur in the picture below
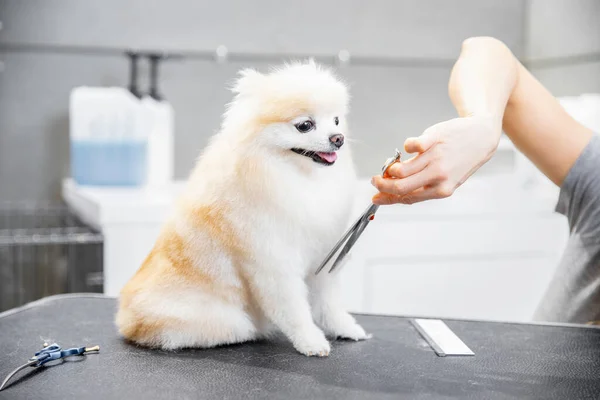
(236, 259)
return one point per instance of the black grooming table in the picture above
(511, 361)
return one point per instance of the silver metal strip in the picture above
(441, 338)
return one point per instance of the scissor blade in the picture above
(22, 367)
(339, 244)
(365, 215)
(348, 246)
(370, 210)
(366, 218)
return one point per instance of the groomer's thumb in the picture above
(422, 143)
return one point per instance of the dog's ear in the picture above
(249, 79)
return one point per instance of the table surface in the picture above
(512, 361)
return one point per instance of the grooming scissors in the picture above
(49, 353)
(354, 232)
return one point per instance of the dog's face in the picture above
(317, 137)
(299, 110)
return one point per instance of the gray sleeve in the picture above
(579, 198)
(574, 292)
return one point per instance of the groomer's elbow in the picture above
(479, 42)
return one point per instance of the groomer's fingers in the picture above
(409, 167)
(422, 143)
(384, 199)
(400, 187)
(422, 194)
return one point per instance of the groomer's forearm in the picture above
(541, 129)
(483, 79)
(488, 80)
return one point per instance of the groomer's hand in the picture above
(446, 155)
(481, 83)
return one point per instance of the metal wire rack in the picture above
(45, 249)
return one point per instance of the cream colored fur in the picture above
(236, 260)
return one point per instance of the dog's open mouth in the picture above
(318, 156)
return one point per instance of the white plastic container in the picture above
(108, 137)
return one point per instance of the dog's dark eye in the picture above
(305, 126)
(336, 120)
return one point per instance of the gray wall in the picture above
(563, 45)
(403, 52)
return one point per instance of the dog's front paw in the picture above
(341, 325)
(353, 332)
(312, 343)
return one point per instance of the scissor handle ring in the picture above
(390, 161)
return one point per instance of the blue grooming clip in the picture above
(352, 234)
(49, 353)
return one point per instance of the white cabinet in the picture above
(501, 287)
(488, 252)
(130, 220)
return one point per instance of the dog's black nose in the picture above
(337, 140)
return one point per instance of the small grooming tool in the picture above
(47, 354)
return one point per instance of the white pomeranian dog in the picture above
(269, 197)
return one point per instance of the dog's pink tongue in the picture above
(329, 157)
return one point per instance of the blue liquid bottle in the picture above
(108, 139)
(109, 136)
